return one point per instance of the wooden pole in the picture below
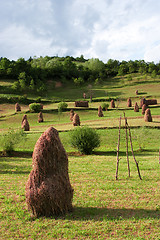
(118, 148)
(132, 151)
(127, 145)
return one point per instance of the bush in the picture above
(35, 107)
(62, 106)
(104, 106)
(85, 139)
(10, 139)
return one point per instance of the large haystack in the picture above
(71, 114)
(112, 104)
(144, 107)
(76, 120)
(129, 102)
(17, 107)
(25, 125)
(147, 116)
(40, 117)
(48, 189)
(100, 112)
(136, 108)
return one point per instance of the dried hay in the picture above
(100, 112)
(136, 92)
(76, 120)
(136, 107)
(17, 107)
(129, 102)
(151, 102)
(25, 125)
(84, 95)
(24, 117)
(71, 115)
(144, 107)
(48, 189)
(112, 104)
(147, 116)
(81, 104)
(142, 102)
(40, 117)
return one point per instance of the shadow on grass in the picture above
(100, 214)
(144, 152)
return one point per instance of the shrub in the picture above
(85, 139)
(104, 106)
(35, 107)
(62, 106)
(10, 139)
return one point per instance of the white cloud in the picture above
(105, 29)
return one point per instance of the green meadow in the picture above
(104, 208)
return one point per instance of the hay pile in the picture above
(112, 104)
(100, 112)
(71, 115)
(40, 117)
(17, 107)
(81, 104)
(48, 189)
(76, 120)
(142, 102)
(25, 124)
(136, 92)
(84, 95)
(144, 107)
(136, 108)
(147, 116)
(129, 102)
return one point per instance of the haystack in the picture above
(48, 189)
(24, 117)
(136, 92)
(76, 120)
(100, 112)
(143, 101)
(129, 102)
(112, 104)
(71, 115)
(17, 107)
(136, 108)
(147, 116)
(40, 117)
(25, 125)
(144, 107)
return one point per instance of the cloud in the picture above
(105, 29)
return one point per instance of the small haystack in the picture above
(136, 108)
(40, 117)
(76, 120)
(136, 92)
(142, 102)
(147, 116)
(129, 102)
(84, 95)
(48, 189)
(24, 117)
(17, 107)
(144, 107)
(71, 114)
(100, 112)
(25, 125)
(112, 104)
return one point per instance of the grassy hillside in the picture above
(104, 208)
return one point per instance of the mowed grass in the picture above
(103, 207)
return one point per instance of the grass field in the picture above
(104, 208)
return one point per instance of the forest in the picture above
(33, 74)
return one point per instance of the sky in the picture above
(104, 29)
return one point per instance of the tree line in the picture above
(33, 74)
